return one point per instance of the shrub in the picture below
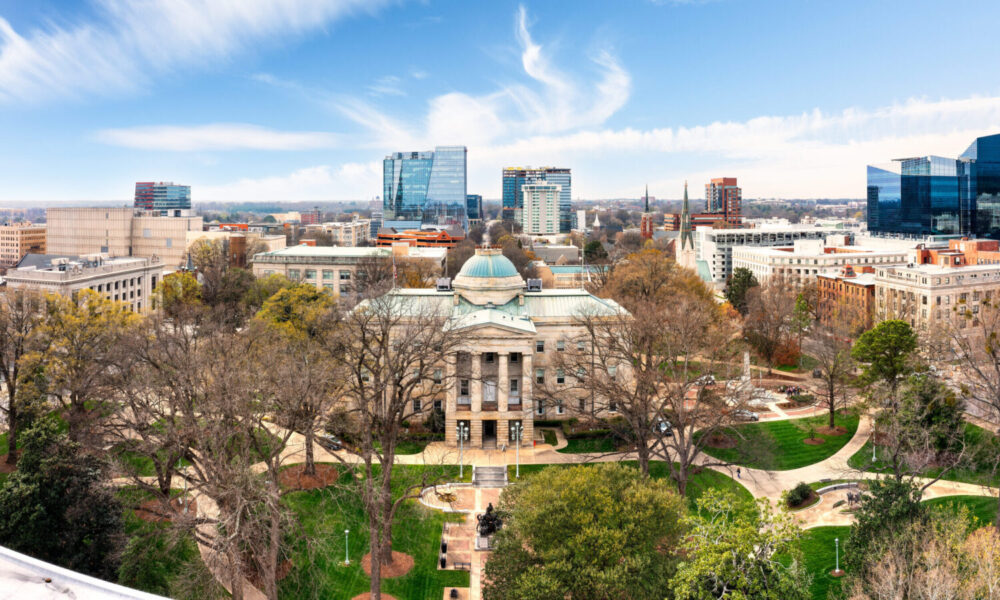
(799, 494)
(802, 398)
(788, 354)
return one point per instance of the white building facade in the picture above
(540, 210)
(128, 280)
(803, 261)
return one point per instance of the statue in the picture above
(489, 523)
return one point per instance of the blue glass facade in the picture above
(429, 187)
(474, 206)
(163, 197)
(514, 179)
(933, 195)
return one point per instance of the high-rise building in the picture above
(938, 196)
(514, 180)
(18, 239)
(474, 206)
(540, 213)
(427, 187)
(164, 197)
(723, 196)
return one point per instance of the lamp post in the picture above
(873, 446)
(184, 498)
(836, 541)
(516, 431)
(347, 555)
(463, 434)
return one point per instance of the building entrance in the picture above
(489, 434)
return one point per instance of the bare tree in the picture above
(19, 314)
(393, 351)
(832, 350)
(768, 323)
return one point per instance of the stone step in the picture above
(490, 477)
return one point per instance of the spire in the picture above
(686, 237)
(647, 197)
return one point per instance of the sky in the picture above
(300, 100)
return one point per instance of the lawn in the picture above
(697, 485)
(819, 557)
(318, 549)
(808, 364)
(406, 446)
(779, 446)
(979, 469)
(550, 437)
(585, 445)
(983, 508)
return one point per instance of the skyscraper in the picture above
(427, 187)
(164, 197)
(722, 195)
(540, 213)
(514, 180)
(934, 195)
(474, 206)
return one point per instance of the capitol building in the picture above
(510, 334)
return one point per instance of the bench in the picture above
(462, 565)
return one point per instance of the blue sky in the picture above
(300, 99)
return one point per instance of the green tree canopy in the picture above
(177, 292)
(57, 508)
(298, 310)
(889, 508)
(594, 251)
(585, 532)
(886, 348)
(740, 549)
(737, 287)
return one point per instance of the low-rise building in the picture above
(19, 239)
(129, 280)
(567, 276)
(421, 238)
(351, 233)
(119, 232)
(712, 252)
(848, 294)
(800, 263)
(337, 268)
(511, 334)
(556, 254)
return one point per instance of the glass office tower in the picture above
(429, 187)
(514, 180)
(474, 206)
(934, 195)
(164, 197)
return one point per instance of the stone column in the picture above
(503, 383)
(451, 399)
(527, 410)
(476, 415)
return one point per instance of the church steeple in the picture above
(647, 198)
(686, 237)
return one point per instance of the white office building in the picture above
(540, 211)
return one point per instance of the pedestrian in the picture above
(738, 473)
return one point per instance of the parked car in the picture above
(663, 427)
(745, 415)
(817, 374)
(706, 380)
(330, 442)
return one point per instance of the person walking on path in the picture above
(738, 473)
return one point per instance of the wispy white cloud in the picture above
(350, 180)
(418, 74)
(388, 85)
(130, 41)
(216, 136)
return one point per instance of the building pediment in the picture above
(492, 322)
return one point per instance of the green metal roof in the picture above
(488, 265)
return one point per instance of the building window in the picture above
(515, 357)
(491, 357)
(540, 346)
(310, 273)
(416, 405)
(327, 273)
(437, 375)
(560, 376)
(540, 407)
(463, 387)
(560, 346)
(583, 404)
(345, 275)
(540, 376)
(514, 385)
(559, 407)
(580, 346)
(293, 273)
(328, 286)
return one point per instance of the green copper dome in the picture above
(488, 265)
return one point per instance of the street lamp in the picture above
(516, 431)
(836, 541)
(463, 435)
(873, 446)
(347, 556)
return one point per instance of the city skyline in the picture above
(301, 101)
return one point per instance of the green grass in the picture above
(698, 483)
(411, 446)
(819, 557)
(550, 437)
(983, 508)
(778, 445)
(583, 446)
(141, 464)
(808, 364)
(978, 469)
(318, 549)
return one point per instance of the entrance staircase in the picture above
(489, 477)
